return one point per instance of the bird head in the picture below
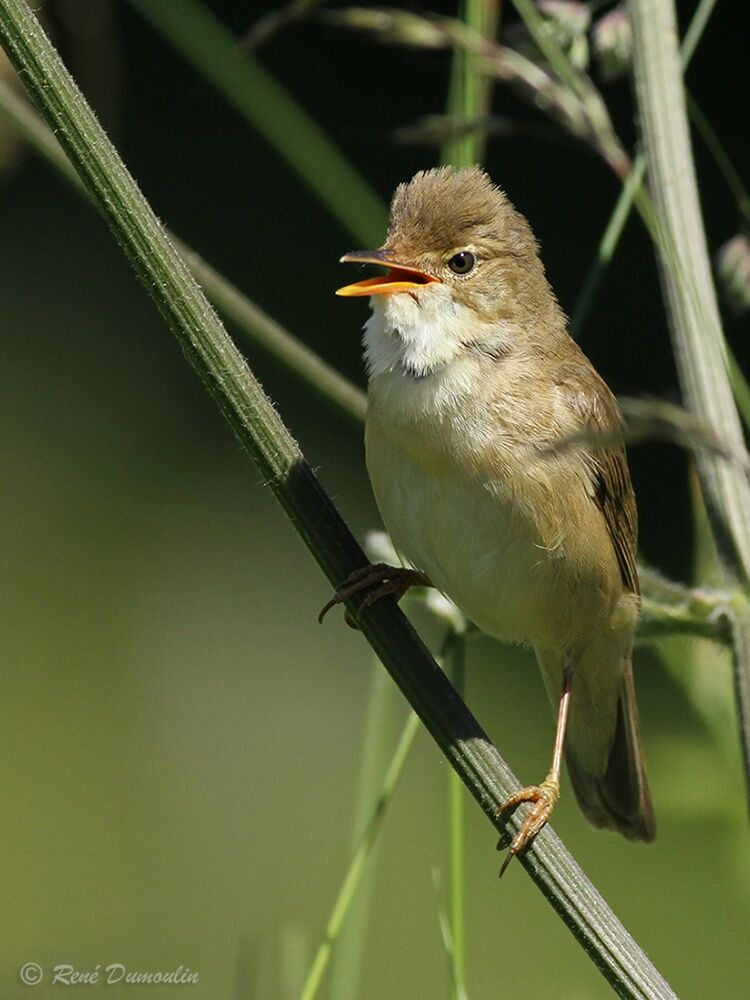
(454, 235)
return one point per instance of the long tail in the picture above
(618, 799)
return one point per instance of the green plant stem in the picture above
(455, 665)
(469, 95)
(261, 330)
(348, 938)
(356, 870)
(720, 157)
(458, 989)
(284, 468)
(270, 24)
(659, 621)
(265, 333)
(551, 51)
(740, 387)
(690, 298)
(470, 91)
(689, 292)
(671, 609)
(607, 245)
(739, 618)
(204, 41)
(695, 30)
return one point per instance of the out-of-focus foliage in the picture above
(181, 737)
(733, 267)
(612, 43)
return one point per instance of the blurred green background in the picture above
(180, 738)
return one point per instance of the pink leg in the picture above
(544, 797)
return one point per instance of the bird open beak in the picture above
(400, 277)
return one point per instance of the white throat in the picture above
(415, 334)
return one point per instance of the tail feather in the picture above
(619, 799)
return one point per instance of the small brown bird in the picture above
(474, 382)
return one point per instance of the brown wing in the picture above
(597, 409)
(620, 798)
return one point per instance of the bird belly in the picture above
(477, 546)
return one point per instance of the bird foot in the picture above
(544, 798)
(384, 580)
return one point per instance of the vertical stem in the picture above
(455, 663)
(469, 96)
(346, 964)
(470, 91)
(686, 272)
(740, 627)
(692, 309)
(357, 866)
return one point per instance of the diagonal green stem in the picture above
(549, 48)
(720, 156)
(268, 335)
(261, 430)
(607, 246)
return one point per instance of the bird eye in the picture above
(462, 262)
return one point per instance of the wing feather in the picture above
(612, 490)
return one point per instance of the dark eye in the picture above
(462, 262)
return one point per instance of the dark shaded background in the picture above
(181, 738)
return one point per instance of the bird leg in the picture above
(384, 580)
(544, 797)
